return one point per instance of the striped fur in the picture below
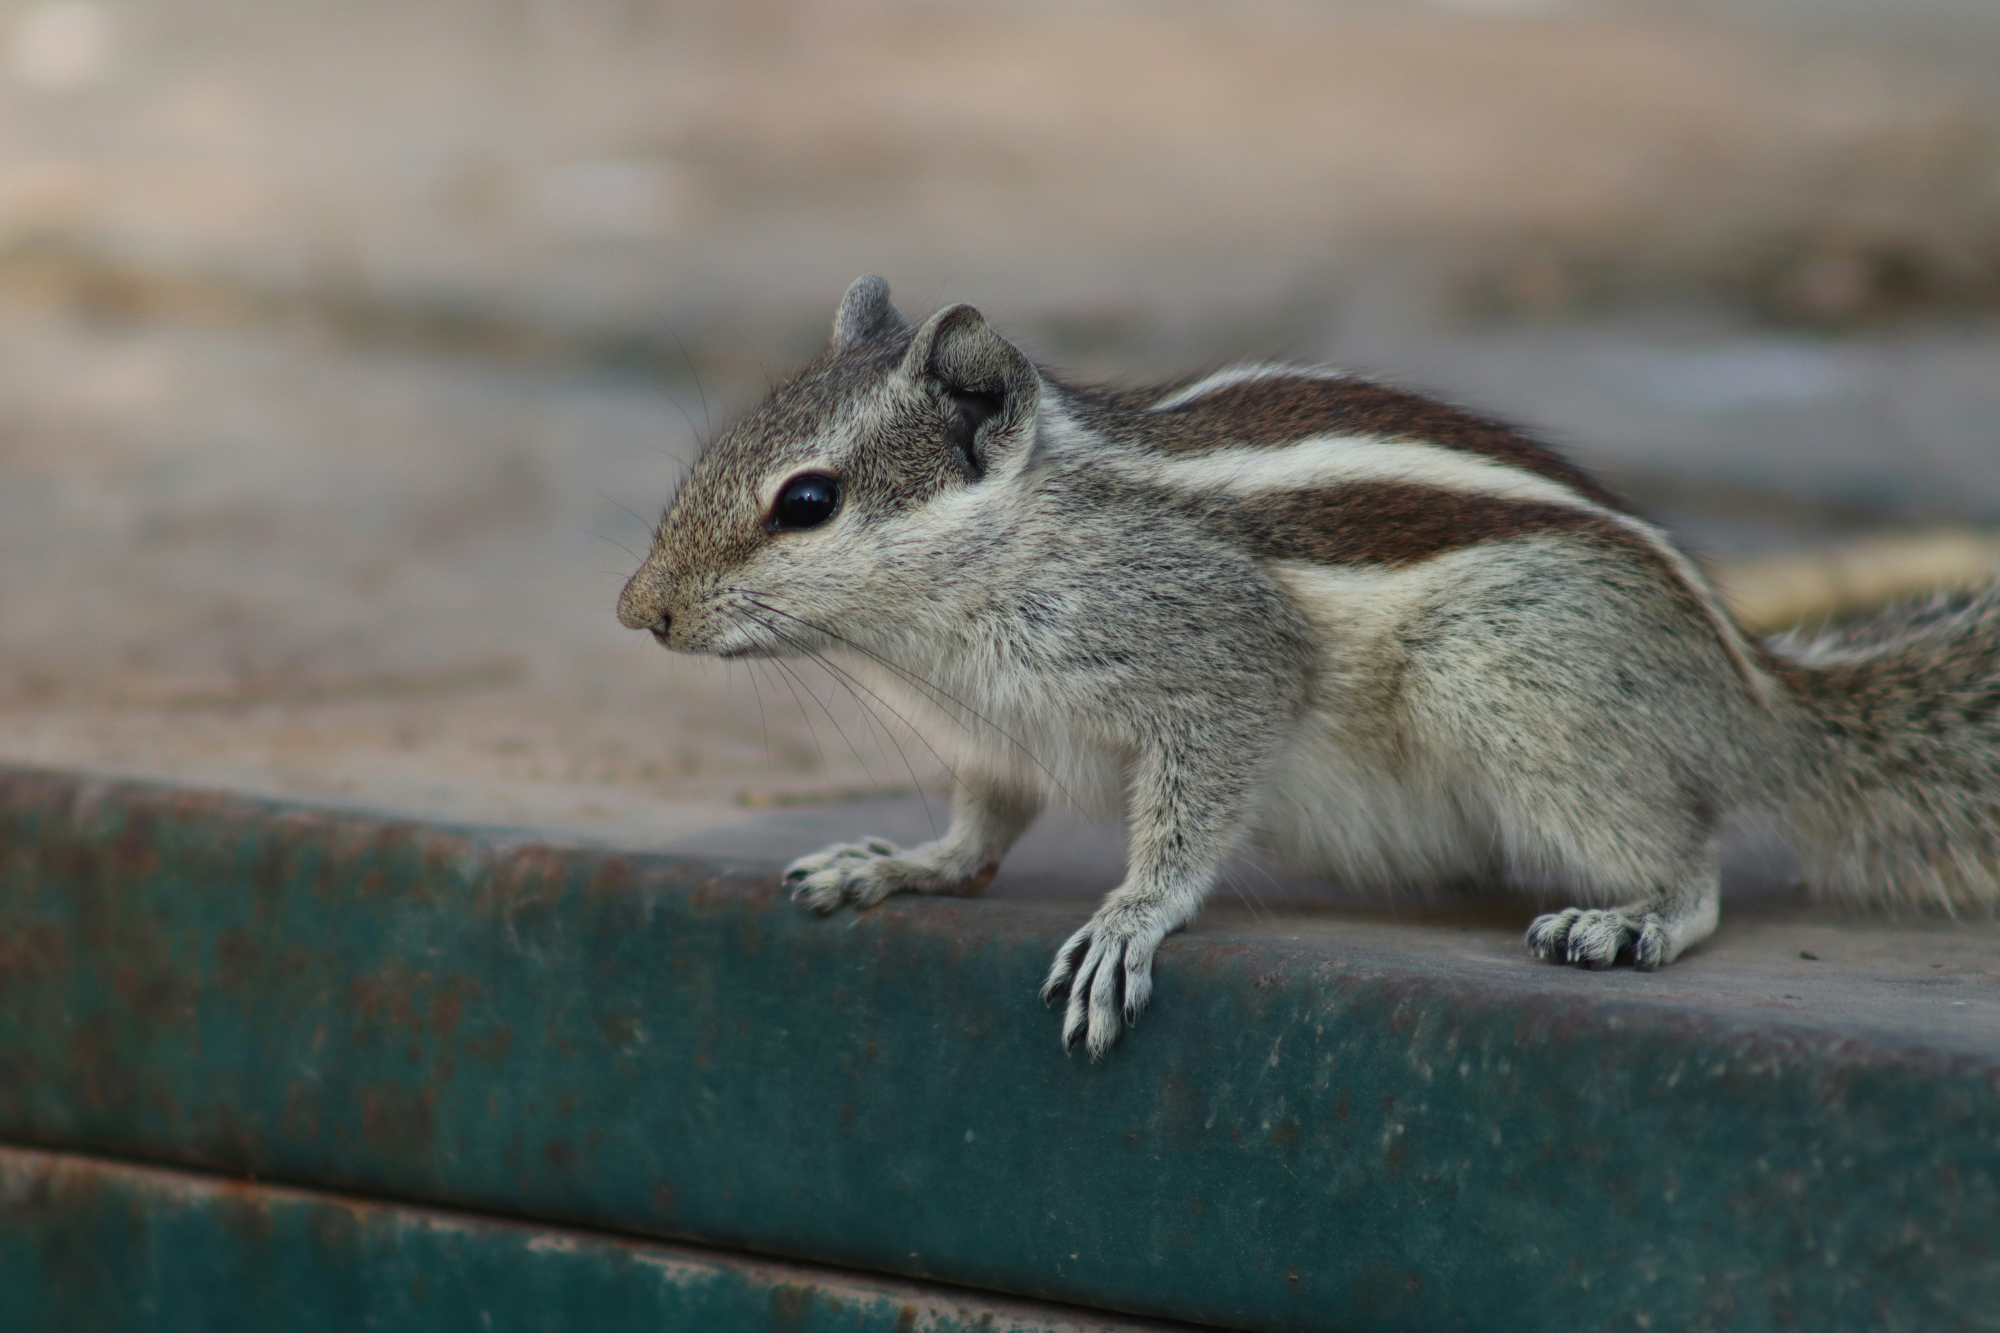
(1383, 639)
(1516, 487)
(1281, 405)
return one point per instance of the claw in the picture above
(1105, 970)
(1599, 938)
(1062, 973)
(839, 874)
(1073, 1032)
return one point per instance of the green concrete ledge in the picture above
(92, 1244)
(1331, 1120)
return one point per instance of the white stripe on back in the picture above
(1332, 460)
(1340, 460)
(1222, 379)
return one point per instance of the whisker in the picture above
(709, 425)
(905, 674)
(917, 680)
(700, 437)
(1249, 896)
(769, 383)
(843, 679)
(833, 668)
(833, 721)
(786, 678)
(608, 498)
(763, 728)
(620, 545)
(848, 681)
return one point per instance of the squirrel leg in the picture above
(987, 815)
(1186, 816)
(1650, 932)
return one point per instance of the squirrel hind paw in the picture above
(1596, 938)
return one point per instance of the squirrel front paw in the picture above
(1106, 969)
(861, 873)
(866, 872)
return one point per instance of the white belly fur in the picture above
(1362, 795)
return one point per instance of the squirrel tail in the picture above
(1897, 790)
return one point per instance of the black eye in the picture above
(806, 501)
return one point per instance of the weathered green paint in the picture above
(93, 1245)
(1300, 1137)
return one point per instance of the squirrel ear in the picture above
(958, 350)
(994, 387)
(865, 314)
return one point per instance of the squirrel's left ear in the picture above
(993, 389)
(865, 314)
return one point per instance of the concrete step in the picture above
(91, 1243)
(1336, 1116)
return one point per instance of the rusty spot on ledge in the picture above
(395, 1119)
(790, 1304)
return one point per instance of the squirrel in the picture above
(1384, 640)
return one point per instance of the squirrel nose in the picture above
(659, 629)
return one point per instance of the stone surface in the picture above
(87, 1243)
(1336, 1115)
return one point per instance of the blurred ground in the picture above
(347, 351)
(1128, 172)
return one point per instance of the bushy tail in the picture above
(1897, 792)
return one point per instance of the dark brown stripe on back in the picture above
(1400, 523)
(1285, 408)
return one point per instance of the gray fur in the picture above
(1068, 608)
(1899, 792)
(865, 315)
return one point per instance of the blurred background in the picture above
(348, 350)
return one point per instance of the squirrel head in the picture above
(839, 502)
